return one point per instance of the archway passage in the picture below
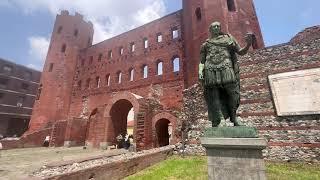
(119, 116)
(163, 130)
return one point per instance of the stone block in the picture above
(231, 132)
(235, 158)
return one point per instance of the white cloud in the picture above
(38, 48)
(109, 17)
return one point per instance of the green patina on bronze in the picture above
(231, 132)
(219, 74)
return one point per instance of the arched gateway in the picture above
(116, 114)
(151, 126)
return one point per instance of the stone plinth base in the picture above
(235, 158)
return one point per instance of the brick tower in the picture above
(70, 34)
(237, 17)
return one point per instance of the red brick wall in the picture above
(57, 82)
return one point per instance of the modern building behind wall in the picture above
(18, 87)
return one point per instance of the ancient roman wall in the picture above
(169, 85)
(289, 137)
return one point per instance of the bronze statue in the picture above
(219, 73)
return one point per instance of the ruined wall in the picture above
(290, 137)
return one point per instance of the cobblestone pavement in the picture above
(18, 163)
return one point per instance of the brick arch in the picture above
(171, 118)
(136, 102)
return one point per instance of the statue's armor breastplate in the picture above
(217, 58)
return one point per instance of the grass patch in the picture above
(175, 167)
(195, 168)
(293, 171)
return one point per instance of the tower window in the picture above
(119, 77)
(98, 82)
(175, 33)
(108, 79)
(131, 74)
(64, 47)
(100, 57)
(59, 30)
(231, 5)
(121, 51)
(198, 13)
(50, 67)
(145, 71)
(110, 54)
(75, 33)
(145, 43)
(159, 37)
(176, 64)
(132, 47)
(159, 68)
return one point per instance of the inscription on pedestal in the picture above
(296, 93)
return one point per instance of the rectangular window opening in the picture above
(231, 5)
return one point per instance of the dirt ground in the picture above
(19, 163)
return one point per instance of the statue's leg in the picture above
(233, 99)
(212, 98)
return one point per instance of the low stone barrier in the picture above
(116, 167)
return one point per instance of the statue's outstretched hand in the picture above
(201, 76)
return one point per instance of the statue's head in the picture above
(215, 28)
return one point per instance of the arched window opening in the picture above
(110, 54)
(176, 64)
(145, 71)
(119, 74)
(159, 37)
(121, 51)
(76, 32)
(88, 83)
(198, 13)
(231, 5)
(108, 79)
(59, 30)
(100, 57)
(175, 33)
(131, 74)
(63, 48)
(132, 45)
(145, 43)
(98, 82)
(159, 68)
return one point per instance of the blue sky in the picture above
(27, 24)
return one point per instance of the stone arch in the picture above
(121, 103)
(162, 118)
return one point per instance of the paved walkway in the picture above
(18, 163)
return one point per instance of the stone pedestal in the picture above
(235, 158)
